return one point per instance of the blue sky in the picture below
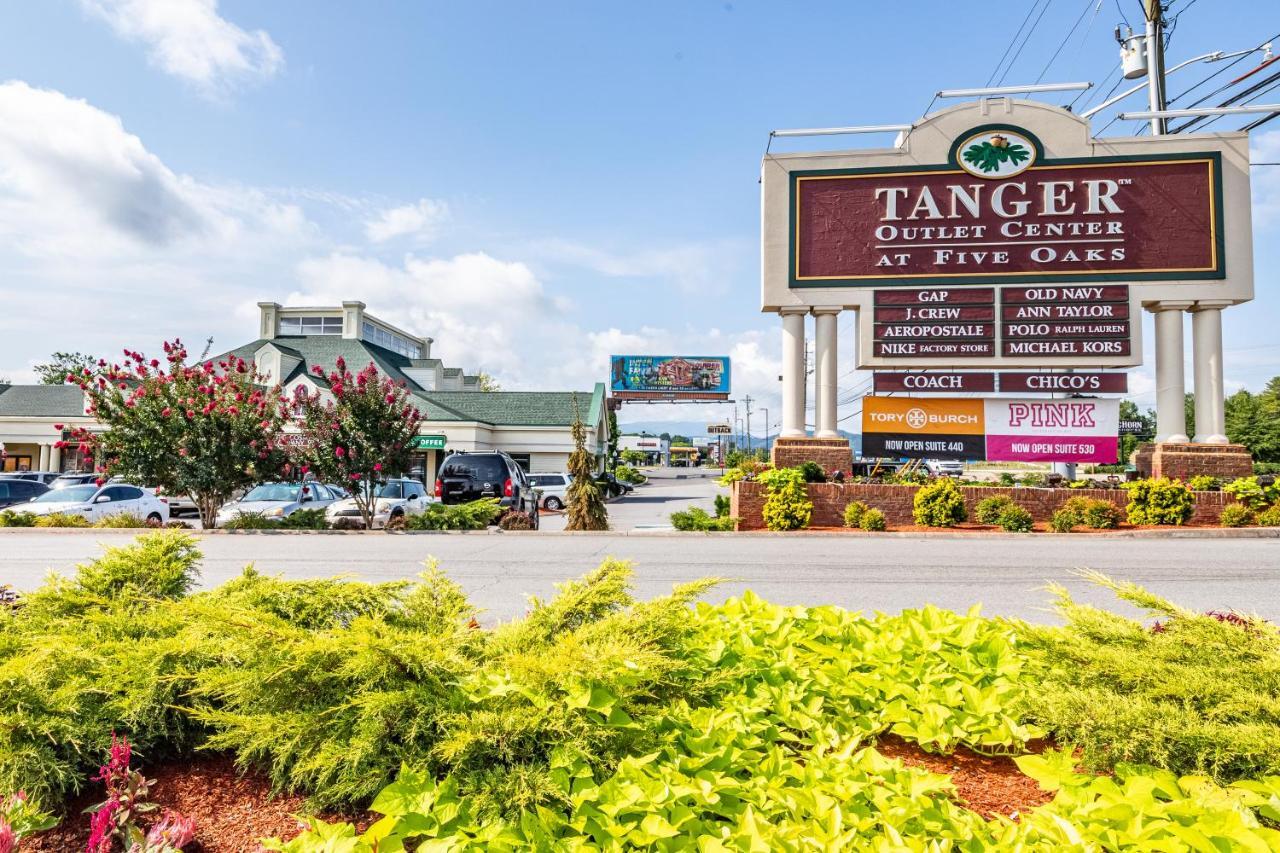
(535, 185)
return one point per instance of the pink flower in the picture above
(391, 398)
(339, 452)
(173, 830)
(165, 412)
(305, 468)
(102, 827)
(57, 427)
(182, 451)
(377, 466)
(8, 841)
(355, 476)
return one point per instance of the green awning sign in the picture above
(427, 442)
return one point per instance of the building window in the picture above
(311, 325)
(388, 340)
(521, 459)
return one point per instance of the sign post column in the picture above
(1171, 382)
(1206, 342)
(825, 372)
(793, 379)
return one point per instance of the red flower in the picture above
(182, 451)
(57, 427)
(165, 412)
(355, 476)
(377, 466)
(339, 452)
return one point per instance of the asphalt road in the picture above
(1006, 575)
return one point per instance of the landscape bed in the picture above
(602, 722)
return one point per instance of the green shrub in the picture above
(1035, 480)
(988, 510)
(1204, 483)
(812, 472)
(16, 518)
(697, 518)
(627, 474)
(476, 515)
(515, 520)
(1264, 468)
(872, 520)
(1080, 484)
(1063, 521)
(1015, 519)
(1007, 479)
(939, 504)
(160, 565)
(1192, 694)
(123, 520)
(853, 513)
(1102, 515)
(1269, 517)
(1236, 515)
(787, 505)
(1159, 501)
(61, 519)
(1248, 491)
(722, 506)
(305, 519)
(250, 521)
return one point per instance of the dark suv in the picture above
(467, 477)
(15, 491)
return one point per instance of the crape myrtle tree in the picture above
(204, 430)
(358, 433)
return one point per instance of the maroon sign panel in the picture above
(935, 322)
(1041, 383)
(945, 382)
(1145, 220)
(1035, 329)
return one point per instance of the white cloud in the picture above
(416, 221)
(190, 40)
(696, 268)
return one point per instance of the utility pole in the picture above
(766, 428)
(1155, 64)
(746, 401)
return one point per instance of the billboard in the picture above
(669, 377)
(998, 430)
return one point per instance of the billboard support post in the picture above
(1206, 343)
(793, 345)
(824, 321)
(1170, 380)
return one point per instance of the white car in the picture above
(944, 467)
(395, 498)
(275, 501)
(94, 503)
(554, 489)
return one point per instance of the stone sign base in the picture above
(1184, 461)
(833, 454)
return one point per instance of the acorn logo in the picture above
(1001, 154)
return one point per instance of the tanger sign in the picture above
(1004, 430)
(1000, 234)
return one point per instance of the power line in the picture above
(1068, 36)
(1012, 41)
(1026, 39)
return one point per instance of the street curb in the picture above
(1184, 533)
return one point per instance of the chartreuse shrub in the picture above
(1236, 515)
(1015, 519)
(61, 519)
(304, 519)
(786, 505)
(853, 513)
(1253, 494)
(1193, 694)
(872, 520)
(16, 518)
(1269, 517)
(474, 515)
(1094, 513)
(939, 504)
(697, 518)
(1204, 483)
(1159, 501)
(989, 509)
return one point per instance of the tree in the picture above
(359, 433)
(586, 504)
(633, 457)
(681, 441)
(1129, 411)
(615, 435)
(55, 372)
(486, 382)
(200, 430)
(1189, 414)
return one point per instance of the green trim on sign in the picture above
(953, 154)
(427, 442)
(989, 280)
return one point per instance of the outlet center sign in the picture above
(1015, 238)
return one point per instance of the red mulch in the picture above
(989, 785)
(231, 810)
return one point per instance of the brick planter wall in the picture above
(830, 499)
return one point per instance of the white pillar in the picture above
(1206, 343)
(825, 371)
(793, 378)
(1170, 382)
(55, 459)
(44, 458)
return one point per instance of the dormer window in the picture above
(311, 325)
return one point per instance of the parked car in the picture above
(42, 477)
(93, 502)
(554, 489)
(275, 501)
(65, 480)
(467, 477)
(20, 491)
(394, 499)
(944, 467)
(612, 486)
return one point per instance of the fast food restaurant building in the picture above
(534, 427)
